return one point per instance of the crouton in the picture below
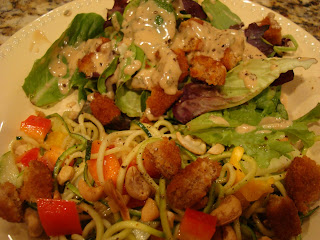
(104, 109)
(302, 182)
(37, 182)
(230, 60)
(164, 155)
(273, 34)
(159, 102)
(208, 70)
(191, 184)
(192, 43)
(87, 64)
(183, 63)
(10, 203)
(282, 215)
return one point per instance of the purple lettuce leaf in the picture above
(254, 35)
(193, 8)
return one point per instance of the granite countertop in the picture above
(15, 14)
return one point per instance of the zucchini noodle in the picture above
(250, 175)
(130, 224)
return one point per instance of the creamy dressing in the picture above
(245, 128)
(219, 120)
(250, 80)
(275, 123)
(132, 68)
(139, 26)
(72, 54)
(214, 41)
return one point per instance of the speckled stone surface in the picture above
(15, 14)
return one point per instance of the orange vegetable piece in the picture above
(36, 127)
(50, 157)
(111, 165)
(256, 188)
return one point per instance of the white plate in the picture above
(22, 49)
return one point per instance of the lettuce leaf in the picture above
(40, 85)
(263, 71)
(129, 101)
(220, 15)
(261, 144)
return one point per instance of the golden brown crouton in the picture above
(164, 155)
(183, 63)
(273, 34)
(37, 182)
(10, 203)
(192, 183)
(87, 63)
(104, 109)
(208, 70)
(159, 102)
(230, 60)
(194, 43)
(283, 217)
(302, 182)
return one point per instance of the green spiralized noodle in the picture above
(141, 168)
(124, 167)
(88, 228)
(261, 227)
(237, 229)
(165, 123)
(231, 176)
(163, 209)
(252, 209)
(281, 188)
(76, 237)
(102, 133)
(96, 218)
(130, 224)
(250, 175)
(276, 177)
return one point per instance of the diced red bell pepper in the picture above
(28, 156)
(59, 217)
(197, 225)
(36, 127)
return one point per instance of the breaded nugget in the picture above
(192, 183)
(10, 203)
(87, 64)
(208, 70)
(159, 102)
(302, 182)
(283, 217)
(37, 182)
(230, 60)
(165, 156)
(183, 63)
(193, 43)
(273, 34)
(104, 109)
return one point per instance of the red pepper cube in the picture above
(28, 156)
(59, 217)
(197, 225)
(36, 127)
